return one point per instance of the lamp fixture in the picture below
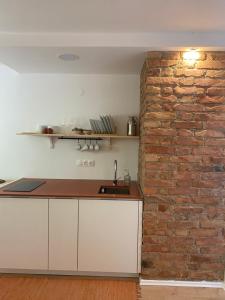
(68, 57)
(191, 55)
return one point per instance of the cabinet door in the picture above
(23, 233)
(108, 236)
(63, 225)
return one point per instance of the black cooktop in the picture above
(24, 185)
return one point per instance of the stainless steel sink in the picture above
(118, 190)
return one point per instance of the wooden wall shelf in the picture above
(55, 136)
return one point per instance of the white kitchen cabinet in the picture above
(24, 233)
(108, 236)
(63, 226)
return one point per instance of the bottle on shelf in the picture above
(132, 126)
(127, 178)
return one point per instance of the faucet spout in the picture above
(115, 181)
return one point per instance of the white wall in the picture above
(28, 100)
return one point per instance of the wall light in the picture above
(191, 55)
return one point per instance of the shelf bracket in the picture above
(53, 141)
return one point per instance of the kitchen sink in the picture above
(118, 190)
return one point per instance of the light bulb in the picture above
(191, 55)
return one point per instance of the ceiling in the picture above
(109, 36)
(95, 60)
(111, 15)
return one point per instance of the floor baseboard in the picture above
(208, 284)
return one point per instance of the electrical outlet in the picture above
(85, 163)
(79, 163)
(91, 163)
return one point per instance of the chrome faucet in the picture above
(115, 181)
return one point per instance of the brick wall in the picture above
(182, 166)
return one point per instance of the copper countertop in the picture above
(74, 188)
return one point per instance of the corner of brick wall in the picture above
(182, 166)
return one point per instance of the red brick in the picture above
(152, 90)
(155, 248)
(215, 151)
(183, 191)
(188, 125)
(186, 225)
(213, 250)
(215, 91)
(161, 115)
(188, 91)
(206, 200)
(184, 116)
(219, 116)
(201, 116)
(162, 132)
(167, 91)
(213, 224)
(212, 100)
(215, 124)
(212, 266)
(150, 191)
(157, 140)
(151, 124)
(159, 149)
(210, 64)
(217, 55)
(192, 141)
(216, 108)
(161, 98)
(181, 232)
(184, 199)
(188, 209)
(152, 157)
(209, 241)
(168, 63)
(189, 72)
(209, 82)
(185, 132)
(215, 73)
(167, 72)
(213, 176)
(200, 275)
(183, 150)
(153, 63)
(163, 207)
(210, 133)
(189, 107)
(159, 183)
(154, 107)
(202, 259)
(186, 175)
(203, 232)
(154, 72)
(161, 166)
(171, 55)
(207, 184)
(186, 158)
(186, 81)
(154, 54)
(162, 80)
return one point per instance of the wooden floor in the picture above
(13, 287)
(181, 293)
(19, 287)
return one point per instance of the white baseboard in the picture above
(208, 284)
